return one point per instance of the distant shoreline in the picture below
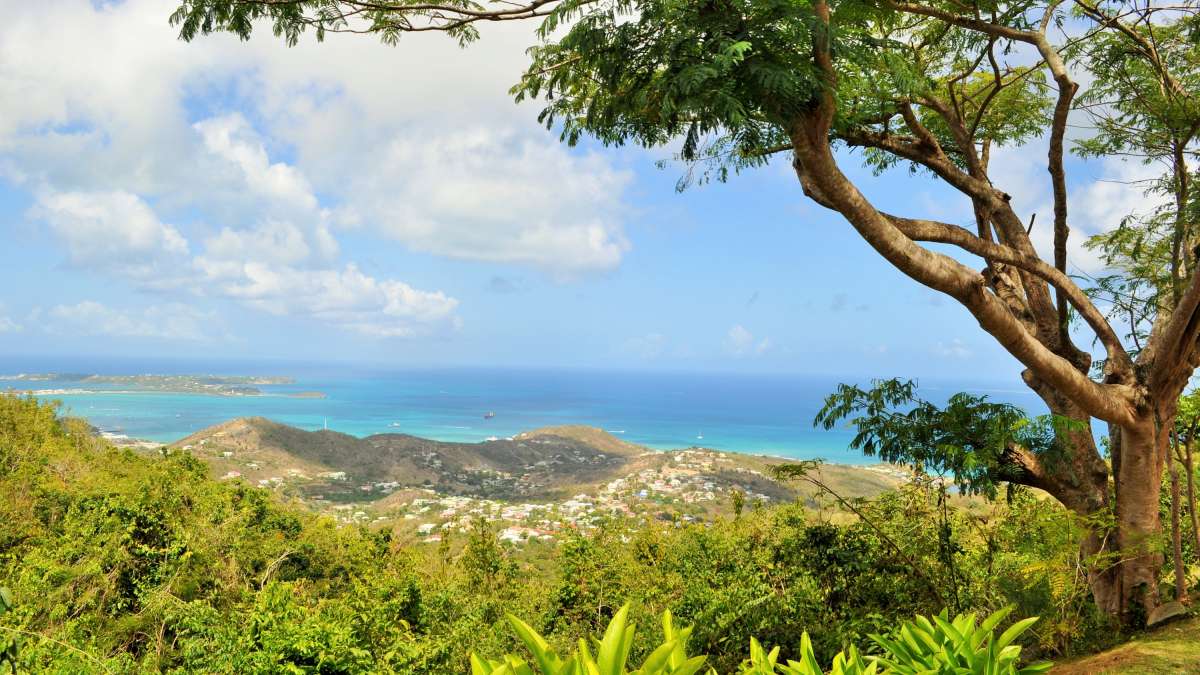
(167, 392)
(767, 417)
(125, 441)
(149, 383)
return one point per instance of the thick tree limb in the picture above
(1170, 356)
(823, 180)
(945, 233)
(994, 203)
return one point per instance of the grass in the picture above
(1174, 648)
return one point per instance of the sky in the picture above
(351, 201)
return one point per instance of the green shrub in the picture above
(611, 657)
(8, 641)
(940, 646)
(958, 647)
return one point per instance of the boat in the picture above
(700, 436)
(489, 415)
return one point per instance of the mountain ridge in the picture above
(330, 469)
(257, 448)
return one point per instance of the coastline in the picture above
(166, 392)
(122, 440)
(768, 416)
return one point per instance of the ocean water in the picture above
(763, 414)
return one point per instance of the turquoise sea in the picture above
(765, 414)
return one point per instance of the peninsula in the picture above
(211, 385)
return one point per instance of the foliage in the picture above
(611, 657)
(762, 662)
(9, 642)
(969, 438)
(128, 562)
(1146, 112)
(961, 646)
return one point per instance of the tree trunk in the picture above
(1139, 484)
(1097, 548)
(1191, 495)
(1176, 536)
(1083, 487)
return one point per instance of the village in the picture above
(683, 488)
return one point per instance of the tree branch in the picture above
(823, 180)
(1170, 356)
(945, 233)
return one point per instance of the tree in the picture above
(1187, 427)
(934, 86)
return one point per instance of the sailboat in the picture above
(489, 415)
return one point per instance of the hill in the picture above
(546, 462)
(387, 474)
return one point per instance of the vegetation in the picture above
(934, 87)
(921, 646)
(127, 562)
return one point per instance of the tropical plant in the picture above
(923, 646)
(611, 657)
(762, 662)
(956, 647)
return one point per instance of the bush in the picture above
(923, 646)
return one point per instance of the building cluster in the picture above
(688, 476)
(681, 487)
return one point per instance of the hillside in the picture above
(399, 476)
(545, 462)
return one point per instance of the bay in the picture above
(762, 414)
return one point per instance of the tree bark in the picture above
(1191, 495)
(1139, 481)
(1176, 536)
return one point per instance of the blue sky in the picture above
(351, 201)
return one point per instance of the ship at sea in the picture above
(489, 415)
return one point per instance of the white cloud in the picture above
(171, 321)
(285, 266)
(346, 297)
(741, 342)
(7, 325)
(764, 345)
(485, 195)
(231, 138)
(454, 171)
(649, 346)
(954, 349)
(1102, 204)
(273, 266)
(111, 231)
(1095, 205)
